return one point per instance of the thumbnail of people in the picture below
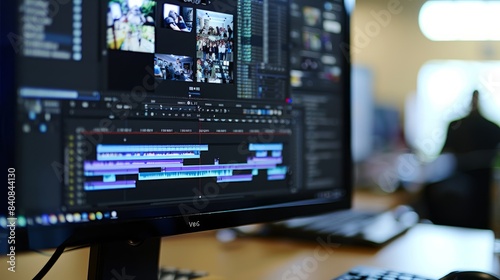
(214, 45)
(131, 25)
(174, 68)
(177, 18)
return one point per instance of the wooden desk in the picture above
(426, 249)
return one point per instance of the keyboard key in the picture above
(371, 273)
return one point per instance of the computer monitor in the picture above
(129, 120)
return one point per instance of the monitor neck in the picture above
(125, 259)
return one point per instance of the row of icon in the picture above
(53, 219)
(270, 121)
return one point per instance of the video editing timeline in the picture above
(139, 162)
(167, 162)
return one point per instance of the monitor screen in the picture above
(154, 118)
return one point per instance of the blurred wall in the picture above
(386, 37)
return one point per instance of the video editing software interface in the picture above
(130, 105)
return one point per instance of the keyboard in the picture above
(352, 226)
(172, 273)
(371, 273)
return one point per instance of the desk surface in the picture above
(428, 250)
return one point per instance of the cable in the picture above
(76, 248)
(65, 251)
(53, 259)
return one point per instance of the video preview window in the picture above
(177, 18)
(173, 67)
(131, 25)
(215, 47)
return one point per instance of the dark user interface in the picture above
(126, 104)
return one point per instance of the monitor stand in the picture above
(125, 259)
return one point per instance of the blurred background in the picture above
(415, 66)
